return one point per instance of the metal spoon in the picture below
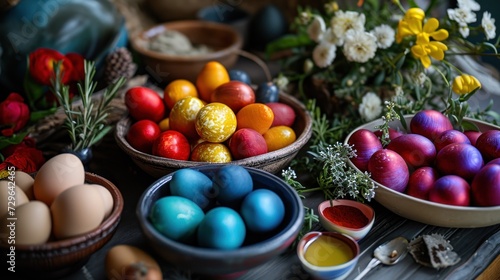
(389, 253)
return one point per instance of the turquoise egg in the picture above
(221, 228)
(262, 210)
(231, 184)
(194, 185)
(176, 217)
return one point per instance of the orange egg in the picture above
(177, 90)
(256, 116)
(215, 122)
(278, 137)
(210, 77)
(183, 116)
(211, 152)
(164, 124)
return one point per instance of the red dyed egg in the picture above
(429, 123)
(451, 190)
(234, 94)
(415, 149)
(365, 143)
(459, 159)
(283, 114)
(247, 142)
(472, 135)
(488, 143)
(450, 136)
(486, 186)
(389, 169)
(421, 182)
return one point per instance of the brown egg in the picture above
(56, 175)
(25, 182)
(11, 196)
(124, 262)
(76, 211)
(32, 226)
(107, 199)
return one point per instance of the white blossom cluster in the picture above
(465, 14)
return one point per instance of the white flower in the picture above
(359, 46)
(461, 15)
(468, 5)
(464, 30)
(324, 54)
(488, 25)
(316, 29)
(329, 37)
(345, 21)
(281, 82)
(370, 107)
(384, 34)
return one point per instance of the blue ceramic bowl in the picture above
(336, 272)
(257, 248)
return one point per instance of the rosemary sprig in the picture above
(86, 125)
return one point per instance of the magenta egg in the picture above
(415, 149)
(421, 182)
(459, 159)
(450, 136)
(451, 190)
(486, 186)
(472, 135)
(494, 161)
(365, 142)
(389, 169)
(488, 143)
(429, 123)
(393, 133)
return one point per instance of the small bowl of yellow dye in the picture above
(328, 255)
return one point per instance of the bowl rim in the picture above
(162, 162)
(478, 210)
(365, 208)
(105, 228)
(313, 235)
(142, 36)
(262, 247)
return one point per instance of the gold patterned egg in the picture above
(215, 122)
(211, 152)
(183, 116)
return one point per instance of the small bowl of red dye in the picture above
(346, 216)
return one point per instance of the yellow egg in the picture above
(32, 226)
(11, 196)
(212, 75)
(183, 116)
(211, 152)
(278, 137)
(56, 175)
(215, 122)
(164, 124)
(76, 211)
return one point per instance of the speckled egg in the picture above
(211, 152)
(215, 122)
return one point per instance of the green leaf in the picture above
(14, 139)
(287, 42)
(100, 135)
(467, 125)
(38, 115)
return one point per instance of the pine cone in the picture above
(119, 63)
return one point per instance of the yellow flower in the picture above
(465, 84)
(424, 47)
(434, 49)
(410, 23)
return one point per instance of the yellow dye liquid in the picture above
(328, 251)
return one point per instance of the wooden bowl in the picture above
(58, 258)
(272, 162)
(223, 39)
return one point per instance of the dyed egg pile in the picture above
(217, 212)
(433, 161)
(219, 118)
(56, 204)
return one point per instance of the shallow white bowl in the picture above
(428, 212)
(356, 233)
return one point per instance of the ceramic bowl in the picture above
(58, 258)
(335, 272)
(256, 250)
(272, 162)
(355, 233)
(429, 212)
(225, 41)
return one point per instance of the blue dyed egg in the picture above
(240, 75)
(262, 210)
(231, 184)
(194, 185)
(222, 228)
(267, 92)
(176, 217)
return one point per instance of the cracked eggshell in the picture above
(56, 175)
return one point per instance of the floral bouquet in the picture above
(379, 59)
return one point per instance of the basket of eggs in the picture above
(216, 120)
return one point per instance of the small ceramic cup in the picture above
(344, 226)
(322, 251)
